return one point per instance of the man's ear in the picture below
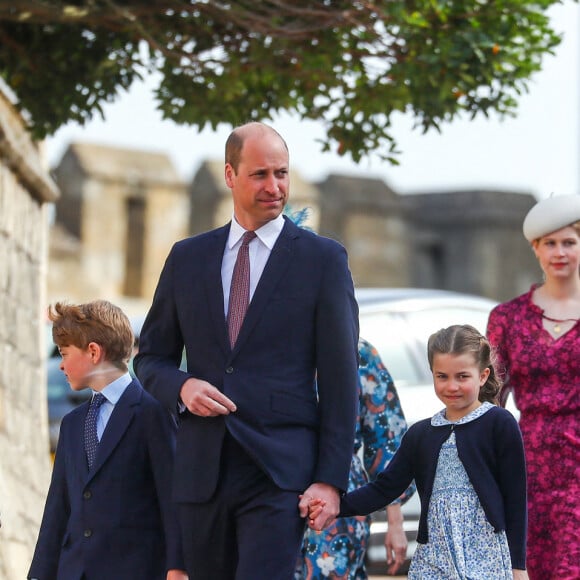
(229, 174)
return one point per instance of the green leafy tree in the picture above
(352, 65)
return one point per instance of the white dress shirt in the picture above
(259, 248)
(112, 393)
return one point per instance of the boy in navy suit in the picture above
(108, 513)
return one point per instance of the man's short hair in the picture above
(235, 141)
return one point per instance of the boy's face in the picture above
(77, 365)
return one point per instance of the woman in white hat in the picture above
(537, 337)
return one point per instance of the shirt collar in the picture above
(113, 391)
(439, 419)
(267, 234)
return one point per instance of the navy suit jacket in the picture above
(292, 373)
(116, 521)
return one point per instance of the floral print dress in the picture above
(338, 551)
(544, 375)
(462, 543)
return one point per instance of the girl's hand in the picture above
(520, 574)
(177, 575)
(315, 508)
(311, 507)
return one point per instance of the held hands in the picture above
(315, 506)
(203, 399)
(320, 503)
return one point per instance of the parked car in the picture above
(398, 323)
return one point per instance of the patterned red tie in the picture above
(240, 288)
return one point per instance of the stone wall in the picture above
(24, 449)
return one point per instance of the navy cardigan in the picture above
(491, 450)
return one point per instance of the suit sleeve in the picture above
(388, 486)
(337, 369)
(161, 343)
(55, 518)
(161, 444)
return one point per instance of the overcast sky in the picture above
(538, 152)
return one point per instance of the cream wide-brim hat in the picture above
(550, 215)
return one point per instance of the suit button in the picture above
(87, 494)
(230, 370)
(88, 533)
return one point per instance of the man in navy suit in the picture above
(109, 513)
(270, 414)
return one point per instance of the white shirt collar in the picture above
(267, 234)
(113, 391)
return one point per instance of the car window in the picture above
(390, 335)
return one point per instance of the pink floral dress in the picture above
(543, 373)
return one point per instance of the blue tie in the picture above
(91, 439)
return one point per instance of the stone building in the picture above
(469, 241)
(25, 190)
(119, 214)
(122, 209)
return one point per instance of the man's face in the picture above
(261, 186)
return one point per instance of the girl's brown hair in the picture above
(464, 339)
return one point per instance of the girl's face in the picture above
(559, 253)
(457, 381)
(77, 365)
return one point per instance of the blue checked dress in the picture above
(462, 543)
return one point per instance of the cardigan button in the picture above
(230, 370)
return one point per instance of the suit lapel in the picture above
(213, 284)
(275, 267)
(118, 423)
(77, 442)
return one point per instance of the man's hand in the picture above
(203, 399)
(330, 504)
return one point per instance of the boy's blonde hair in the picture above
(98, 321)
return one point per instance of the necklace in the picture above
(557, 328)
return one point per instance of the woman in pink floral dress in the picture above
(537, 337)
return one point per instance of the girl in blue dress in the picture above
(339, 551)
(469, 467)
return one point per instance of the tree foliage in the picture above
(353, 65)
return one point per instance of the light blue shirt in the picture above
(260, 249)
(112, 393)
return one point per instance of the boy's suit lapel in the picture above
(117, 425)
(77, 443)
